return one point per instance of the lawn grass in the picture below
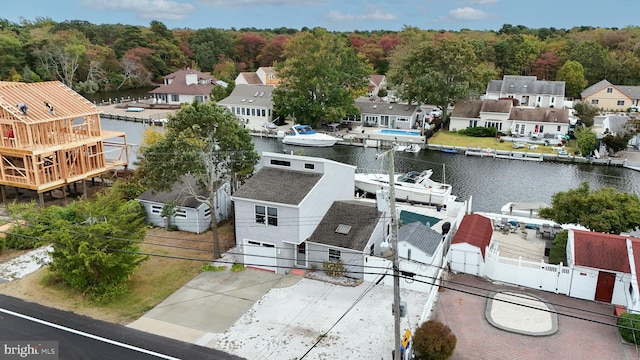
(448, 138)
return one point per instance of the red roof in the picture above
(601, 251)
(475, 230)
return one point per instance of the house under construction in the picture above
(50, 136)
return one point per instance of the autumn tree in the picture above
(272, 52)
(546, 66)
(320, 78)
(439, 73)
(248, 47)
(572, 73)
(203, 141)
(603, 210)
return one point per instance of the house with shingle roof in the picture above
(377, 83)
(185, 86)
(528, 90)
(56, 140)
(190, 214)
(387, 115)
(281, 205)
(607, 96)
(605, 267)
(250, 103)
(348, 232)
(265, 75)
(515, 120)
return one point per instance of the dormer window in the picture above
(609, 90)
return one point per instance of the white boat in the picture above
(413, 186)
(412, 148)
(304, 135)
(523, 209)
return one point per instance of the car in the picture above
(435, 112)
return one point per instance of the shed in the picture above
(469, 244)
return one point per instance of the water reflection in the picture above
(491, 182)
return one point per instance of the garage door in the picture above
(260, 255)
(467, 262)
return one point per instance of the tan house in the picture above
(50, 136)
(265, 75)
(611, 97)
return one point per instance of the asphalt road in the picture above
(81, 337)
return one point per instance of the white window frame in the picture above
(335, 255)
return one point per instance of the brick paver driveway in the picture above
(576, 339)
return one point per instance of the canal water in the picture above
(490, 182)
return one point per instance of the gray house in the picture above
(250, 102)
(191, 215)
(528, 90)
(280, 206)
(387, 115)
(348, 231)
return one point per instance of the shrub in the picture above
(558, 251)
(334, 268)
(24, 238)
(237, 267)
(173, 228)
(212, 268)
(629, 327)
(433, 340)
(480, 131)
(1, 243)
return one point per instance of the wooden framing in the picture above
(46, 149)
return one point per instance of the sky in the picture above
(333, 15)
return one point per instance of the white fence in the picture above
(535, 275)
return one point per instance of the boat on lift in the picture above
(413, 186)
(304, 135)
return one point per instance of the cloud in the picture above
(468, 13)
(372, 13)
(145, 9)
(239, 3)
(480, 2)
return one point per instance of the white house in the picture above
(190, 214)
(348, 232)
(534, 122)
(250, 103)
(528, 91)
(469, 245)
(184, 86)
(281, 205)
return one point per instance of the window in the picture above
(207, 212)
(334, 255)
(473, 123)
(559, 128)
(263, 112)
(371, 249)
(309, 166)
(280, 162)
(620, 103)
(175, 98)
(594, 102)
(253, 112)
(408, 254)
(199, 98)
(495, 124)
(260, 214)
(272, 216)
(155, 209)
(609, 90)
(266, 215)
(181, 213)
(244, 111)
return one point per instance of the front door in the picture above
(301, 255)
(604, 288)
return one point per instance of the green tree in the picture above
(434, 340)
(12, 55)
(439, 73)
(95, 242)
(205, 141)
(603, 210)
(585, 112)
(572, 73)
(617, 142)
(593, 58)
(320, 78)
(587, 140)
(558, 251)
(209, 45)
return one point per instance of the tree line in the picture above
(91, 58)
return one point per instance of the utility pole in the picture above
(396, 262)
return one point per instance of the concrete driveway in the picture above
(209, 304)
